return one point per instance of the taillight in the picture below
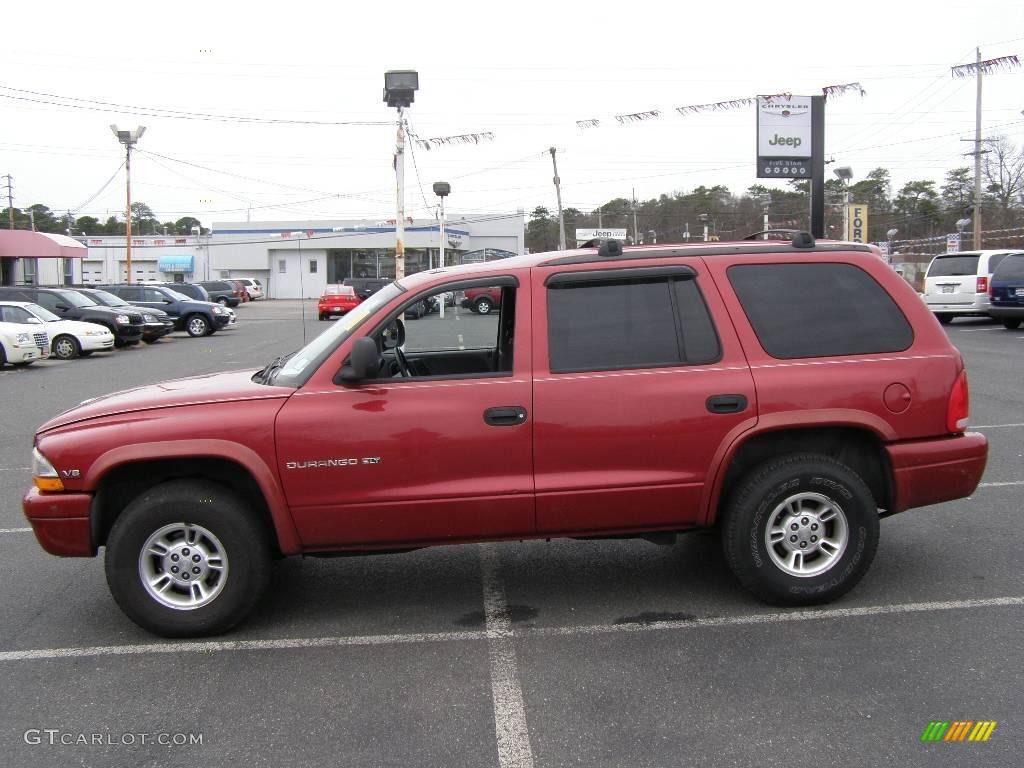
(982, 286)
(957, 409)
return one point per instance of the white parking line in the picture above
(15, 469)
(507, 635)
(507, 693)
(15, 530)
(1000, 485)
(995, 426)
(975, 330)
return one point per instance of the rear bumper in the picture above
(932, 471)
(959, 309)
(60, 522)
(1010, 312)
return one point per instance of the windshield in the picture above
(301, 365)
(75, 299)
(178, 296)
(42, 313)
(107, 299)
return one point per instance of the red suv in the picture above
(789, 395)
(482, 300)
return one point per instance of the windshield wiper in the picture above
(265, 375)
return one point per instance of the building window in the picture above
(312, 266)
(282, 266)
(30, 271)
(227, 273)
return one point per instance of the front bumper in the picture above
(60, 522)
(96, 343)
(128, 334)
(157, 330)
(931, 471)
(26, 354)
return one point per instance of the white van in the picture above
(956, 284)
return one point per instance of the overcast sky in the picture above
(524, 71)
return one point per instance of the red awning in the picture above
(25, 244)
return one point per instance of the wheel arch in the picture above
(122, 474)
(858, 447)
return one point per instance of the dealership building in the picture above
(299, 258)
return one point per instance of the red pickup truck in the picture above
(789, 395)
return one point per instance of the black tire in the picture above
(244, 548)
(1011, 323)
(944, 318)
(197, 325)
(65, 347)
(24, 364)
(323, 317)
(153, 340)
(759, 500)
(86, 352)
(483, 305)
(3, 356)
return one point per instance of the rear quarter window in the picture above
(819, 310)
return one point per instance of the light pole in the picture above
(129, 139)
(889, 235)
(703, 218)
(442, 189)
(400, 88)
(198, 231)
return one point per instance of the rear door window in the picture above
(954, 265)
(819, 310)
(1011, 268)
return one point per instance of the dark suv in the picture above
(127, 325)
(197, 318)
(155, 322)
(365, 287)
(1006, 292)
(223, 292)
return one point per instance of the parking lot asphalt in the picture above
(560, 653)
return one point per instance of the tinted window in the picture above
(954, 265)
(73, 299)
(47, 300)
(1010, 269)
(819, 310)
(153, 295)
(605, 326)
(700, 341)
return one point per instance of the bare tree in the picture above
(1003, 171)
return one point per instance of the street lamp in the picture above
(129, 139)
(844, 173)
(889, 235)
(400, 86)
(442, 189)
(703, 218)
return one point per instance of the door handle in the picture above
(727, 403)
(505, 416)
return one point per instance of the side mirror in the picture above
(62, 307)
(363, 363)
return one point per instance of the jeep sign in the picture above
(584, 235)
(783, 136)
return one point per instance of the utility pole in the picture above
(129, 139)
(979, 68)
(10, 202)
(558, 194)
(600, 225)
(636, 232)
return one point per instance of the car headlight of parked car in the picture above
(24, 340)
(123, 319)
(219, 311)
(96, 332)
(148, 318)
(44, 475)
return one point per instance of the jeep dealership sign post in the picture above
(857, 223)
(585, 235)
(790, 145)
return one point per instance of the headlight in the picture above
(97, 332)
(23, 338)
(123, 319)
(43, 474)
(148, 318)
(219, 311)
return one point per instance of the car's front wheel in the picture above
(483, 305)
(800, 529)
(65, 347)
(197, 325)
(944, 318)
(1011, 323)
(186, 559)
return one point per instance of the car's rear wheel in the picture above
(944, 318)
(801, 529)
(1011, 323)
(187, 558)
(197, 325)
(323, 316)
(483, 305)
(65, 347)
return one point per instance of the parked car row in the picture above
(65, 323)
(988, 283)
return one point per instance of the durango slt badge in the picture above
(322, 463)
